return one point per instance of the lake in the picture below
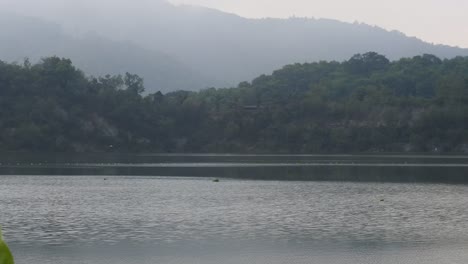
(265, 209)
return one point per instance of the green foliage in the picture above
(364, 104)
(5, 255)
(367, 63)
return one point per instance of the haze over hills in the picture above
(33, 38)
(187, 47)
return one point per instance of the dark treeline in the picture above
(365, 104)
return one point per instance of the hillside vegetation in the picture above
(365, 104)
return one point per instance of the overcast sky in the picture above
(437, 21)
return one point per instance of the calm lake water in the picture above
(379, 209)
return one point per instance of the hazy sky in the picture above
(437, 21)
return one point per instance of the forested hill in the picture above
(366, 103)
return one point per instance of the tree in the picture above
(134, 83)
(367, 63)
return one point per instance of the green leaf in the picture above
(5, 254)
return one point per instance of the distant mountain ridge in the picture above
(32, 38)
(187, 47)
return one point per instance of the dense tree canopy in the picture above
(367, 103)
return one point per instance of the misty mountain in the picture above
(32, 38)
(227, 48)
